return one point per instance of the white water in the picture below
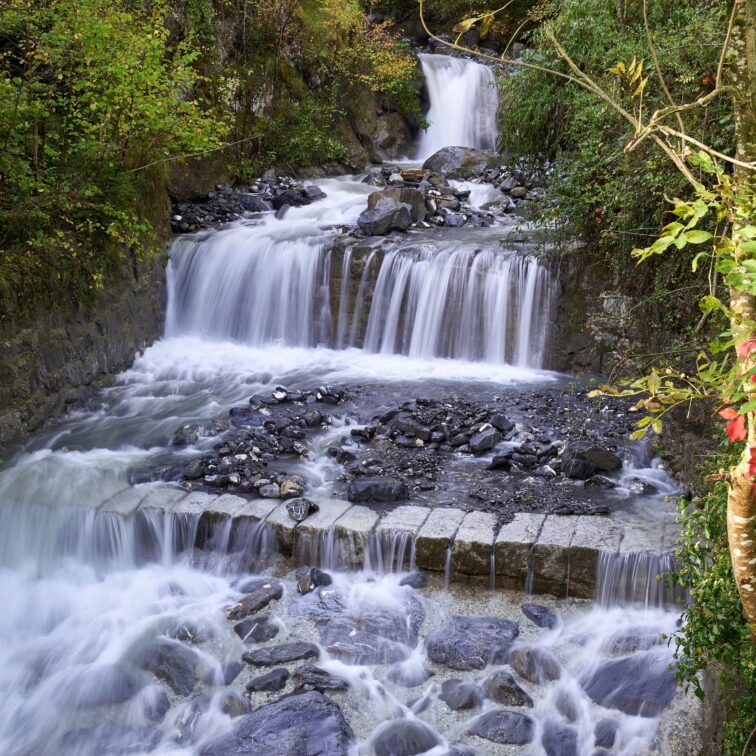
(463, 104)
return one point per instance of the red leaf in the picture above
(728, 414)
(745, 349)
(736, 429)
(752, 462)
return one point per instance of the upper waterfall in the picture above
(463, 104)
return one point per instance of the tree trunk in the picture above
(741, 502)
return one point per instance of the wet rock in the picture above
(605, 733)
(290, 198)
(402, 195)
(314, 193)
(500, 462)
(579, 469)
(293, 488)
(377, 488)
(415, 580)
(485, 440)
(459, 694)
(187, 435)
(408, 676)
(505, 727)
(605, 460)
(308, 724)
(566, 705)
(300, 509)
(354, 642)
(286, 652)
(502, 423)
(317, 678)
(269, 491)
(310, 578)
(541, 615)
(454, 220)
(461, 162)
(558, 739)
(387, 215)
(639, 685)
(231, 671)
(631, 640)
(411, 427)
(253, 203)
(502, 688)
(255, 601)
(276, 679)
(518, 192)
(235, 704)
(471, 642)
(171, 662)
(256, 630)
(404, 737)
(108, 684)
(537, 665)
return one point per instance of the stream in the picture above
(120, 636)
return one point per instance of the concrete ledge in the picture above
(540, 553)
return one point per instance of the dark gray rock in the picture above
(255, 601)
(415, 580)
(312, 676)
(109, 739)
(502, 688)
(287, 652)
(500, 462)
(291, 198)
(461, 162)
(502, 423)
(559, 739)
(537, 665)
(404, 737)
(454, 220)
(410, 677)
(579, 469)
(307, 724)
(471, 642)
(187, 435)
(310, 578)
(605, 733)
(505, 727)
(411, 427)
(171, 662)
(300, 509)
(314, 193)
(276, 679)
(541, 615)
(639, 685)
(377, 488)
(235, 704)
(387, 215)
(460, 694)
(253, 203)
(484, 441)
(605, 460)
(256, 629)
(108, 684)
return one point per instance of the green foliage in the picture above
(714, 630)
(602, 195)
(89, 89)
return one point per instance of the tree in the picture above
(724, 188)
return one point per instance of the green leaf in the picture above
(749, 247)
(697, 237)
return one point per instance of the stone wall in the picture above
(57, 359)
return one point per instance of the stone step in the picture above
(556, 554)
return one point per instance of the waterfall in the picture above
(463, 104)
(447, 299)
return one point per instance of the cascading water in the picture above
(463, 104)
(114, 637)
(449, 299)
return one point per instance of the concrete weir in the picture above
(562, 555)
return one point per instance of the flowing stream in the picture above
(113, 635)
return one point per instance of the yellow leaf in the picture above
(617, 69)
(640, 87)
(631, 69)
(485, 27)
(465, 25)
(638, 72)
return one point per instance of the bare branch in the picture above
(657, 66)
(725, 46)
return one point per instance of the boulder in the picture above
(377, 488)
(460, 694)
(605, 732)
(274, 680)
(404, 195)
(504, 727)
(461, 162)
(541, 615)
(535, 664)
(502, 688)
(314, 193)
(171, 662)
(391, 135)
(639, 685)
(307, 724)
(558, 739)
(404, 737)
(387, 215)
(291, 198)
(255, 601)
(253, 203)
(471, 642)
(313, 677)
